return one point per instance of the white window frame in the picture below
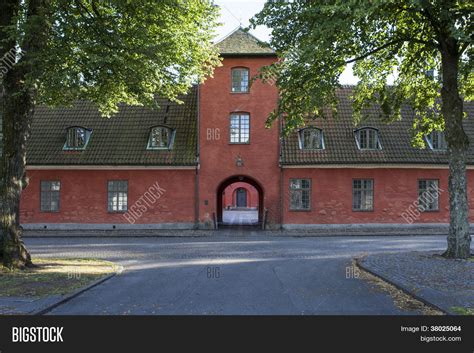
(301, 139)
(366, 131)
(238, 88)
(440, 138)
(116, 196)
(75, 130)
(242, 131)
(171, 137)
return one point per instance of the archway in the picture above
(248, 210)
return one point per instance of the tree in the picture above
(426, 43)
(108, 52)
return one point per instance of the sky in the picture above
(236, 12)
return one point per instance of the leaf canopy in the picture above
(118, 51)
(316, 39)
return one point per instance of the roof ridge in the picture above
(229, 34)
(241, 42)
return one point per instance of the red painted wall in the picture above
(84, 196)
(217, 156)
(84, 192)
(230, 198)
(394, 191)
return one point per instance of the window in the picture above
(50, 196)
(368, 139)
(436, 140)
(118, 195)
(240, 80)
(240, 128)
(311, 139)
(363, 195)
(428, 195)
(300, 194)
(161, 137)
(77, 138)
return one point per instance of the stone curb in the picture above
(67, 298)
(404, 287)
(214, 234)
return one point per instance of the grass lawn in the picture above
(462, 311)
(53, 276)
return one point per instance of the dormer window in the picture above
(77, 138)
(436, 141)
(240, 80)
(367, 139)
(311, 138)
(161, 138)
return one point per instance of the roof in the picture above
(395, 138)
(241, 43)
(119, 140)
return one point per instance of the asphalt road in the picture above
(231, 274)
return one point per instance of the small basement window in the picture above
(77, 138)
(367, 139)
(437, 141)
(311, 139)
(161, 138)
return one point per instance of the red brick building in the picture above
(211, 161)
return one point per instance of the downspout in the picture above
(280, 142)
(198, 148)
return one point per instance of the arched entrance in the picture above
(240, 201)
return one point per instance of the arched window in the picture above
(367, 138)
(77, 138)
(437, 141)
(311, 138)
(240, 80)
(161, 137)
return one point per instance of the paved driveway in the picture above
(232, 274)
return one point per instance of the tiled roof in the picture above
(241, 42)
(119, 140)
(341, 148)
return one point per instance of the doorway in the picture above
(239, 201)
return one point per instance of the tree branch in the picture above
(399, 40)
(464, 47)
(376, 50)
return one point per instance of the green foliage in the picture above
(118, 51)
(459, 310)
(316, 39)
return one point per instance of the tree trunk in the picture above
(17, 112)
(459, 239)
(8, 10)
(18, 102)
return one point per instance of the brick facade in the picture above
(154, 197)
(193, 193)
(219, 159)
(395, 194)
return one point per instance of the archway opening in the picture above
(239, 201)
